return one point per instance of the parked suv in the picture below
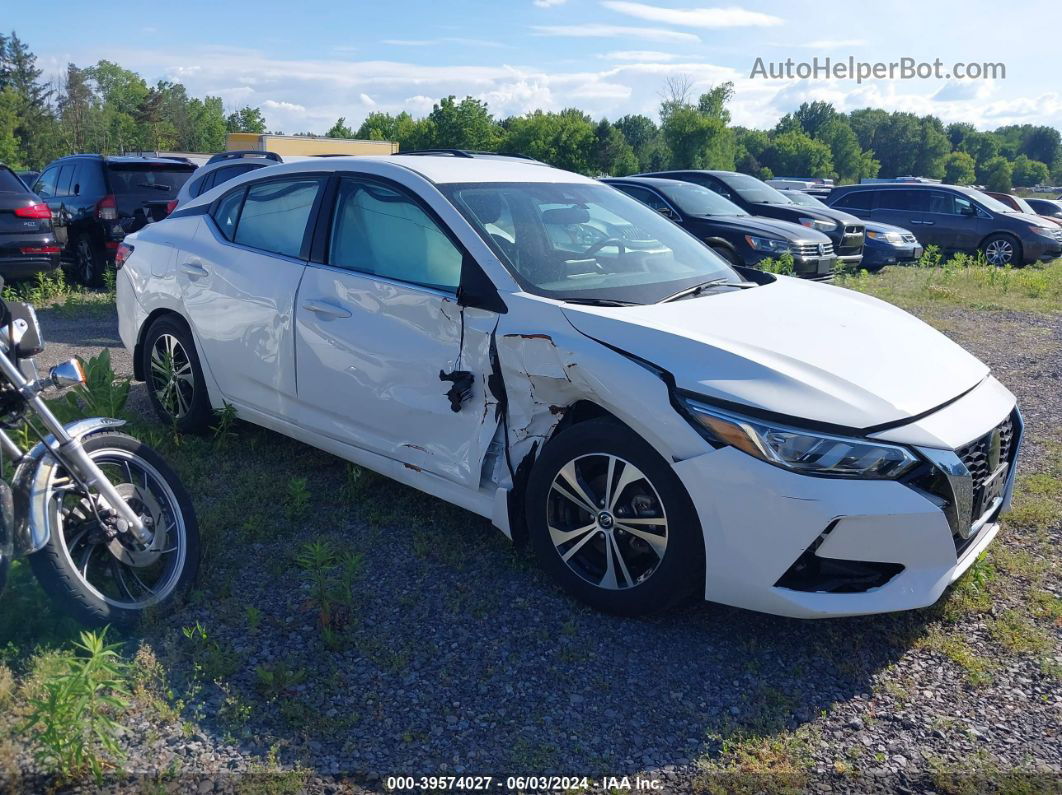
(955, 219)
(220, 169)
(758, 198)
(27, 242)
(655, 421)
(736, 236)
(97, 200)
(1047, 208)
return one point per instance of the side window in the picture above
(378, 230)
(646, 197)
(45, 185)
(90, 178)
(910, 200)
(64, 185)
(949, 204)
(275, 213)
(857, 200)
(719, 188)
(227, 212)
(202, 185)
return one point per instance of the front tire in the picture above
(174, 376)
(610, 520)
(1003, 250)
(101, 578)
(89, 262)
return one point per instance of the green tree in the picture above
(850, 162)
(960, 169)
(797, 154)
(464, 125)
(613, 155)
(10, 154)
(1027, 172)
(814, 116)
(565, 140)
(207, 125)
(996, 174)
(246, 120)
(409, 133)
(933, 147)
(340, 129)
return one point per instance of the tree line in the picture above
(108, 109)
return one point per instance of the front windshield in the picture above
(804, 200)
(586, 241)
(753, 190)
(699, 201)
(1024, 206)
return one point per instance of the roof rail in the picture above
(241, 153)
(470, 153)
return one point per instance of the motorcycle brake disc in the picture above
(144, 503)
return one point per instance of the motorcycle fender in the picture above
(30, 485)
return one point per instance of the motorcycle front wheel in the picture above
(101, 576)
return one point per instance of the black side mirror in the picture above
(477, 290)
(969, 210)
(666, 212)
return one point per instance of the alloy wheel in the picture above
(607, 521)
(999, 252)
(172, 377)
(86, 265)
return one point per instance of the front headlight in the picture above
(894, 238)
(767, 244)
(819, 224)
(803, 451)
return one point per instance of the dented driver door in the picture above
(376, 326)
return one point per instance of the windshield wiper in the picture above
(155, 187)
(599, 302)
(697, 289)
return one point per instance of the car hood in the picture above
(804, 350)
(752, 224)
(875, 226)
(821, 213)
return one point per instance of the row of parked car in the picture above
(80, 208)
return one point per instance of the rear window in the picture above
(147, 179)
(9, 183)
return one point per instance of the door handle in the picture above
(929, 223)
(194, 269)
(325, 308)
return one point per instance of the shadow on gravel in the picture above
(457, 654)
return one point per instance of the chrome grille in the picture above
(852, 242)
(909, 238)
(975, 456)
(811, 249)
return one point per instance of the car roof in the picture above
(162, 161)
(443, 169)
(653, 182)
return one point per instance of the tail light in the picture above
(121, 255)
(171, 205)
(37, 210)
(107, 208)
(40, 250)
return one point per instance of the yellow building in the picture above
(285, 145)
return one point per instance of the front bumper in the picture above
(880, 256)
(759, 521)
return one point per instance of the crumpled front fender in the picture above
(29, 485)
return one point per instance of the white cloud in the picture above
(732, 17)
(646, 56)
(288, 107)
(367, 101)
(834, 44)
(611, 31)
(964, 89)
(549, 3)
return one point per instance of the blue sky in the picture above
(307, 63)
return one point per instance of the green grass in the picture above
(965, 283)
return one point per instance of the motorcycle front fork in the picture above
(70, 453)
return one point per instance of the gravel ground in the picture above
(461, 658)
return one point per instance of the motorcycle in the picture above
(105, 524)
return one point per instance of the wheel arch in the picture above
(1003, 233)
(149, 321)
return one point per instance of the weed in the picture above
(276, 680)
(783, 265)
(1014, 632)
(103, 394)
(298, 498)
(977, 668)
(254, 618)
(209, 657)
(225, 418)
(72, 715)
(331, 577)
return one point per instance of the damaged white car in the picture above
(545, 351)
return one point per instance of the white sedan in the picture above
(545, 351)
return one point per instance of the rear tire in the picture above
(729, 256)
(89, 262)
(174, 376)
(96, 597)
(625, 538)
